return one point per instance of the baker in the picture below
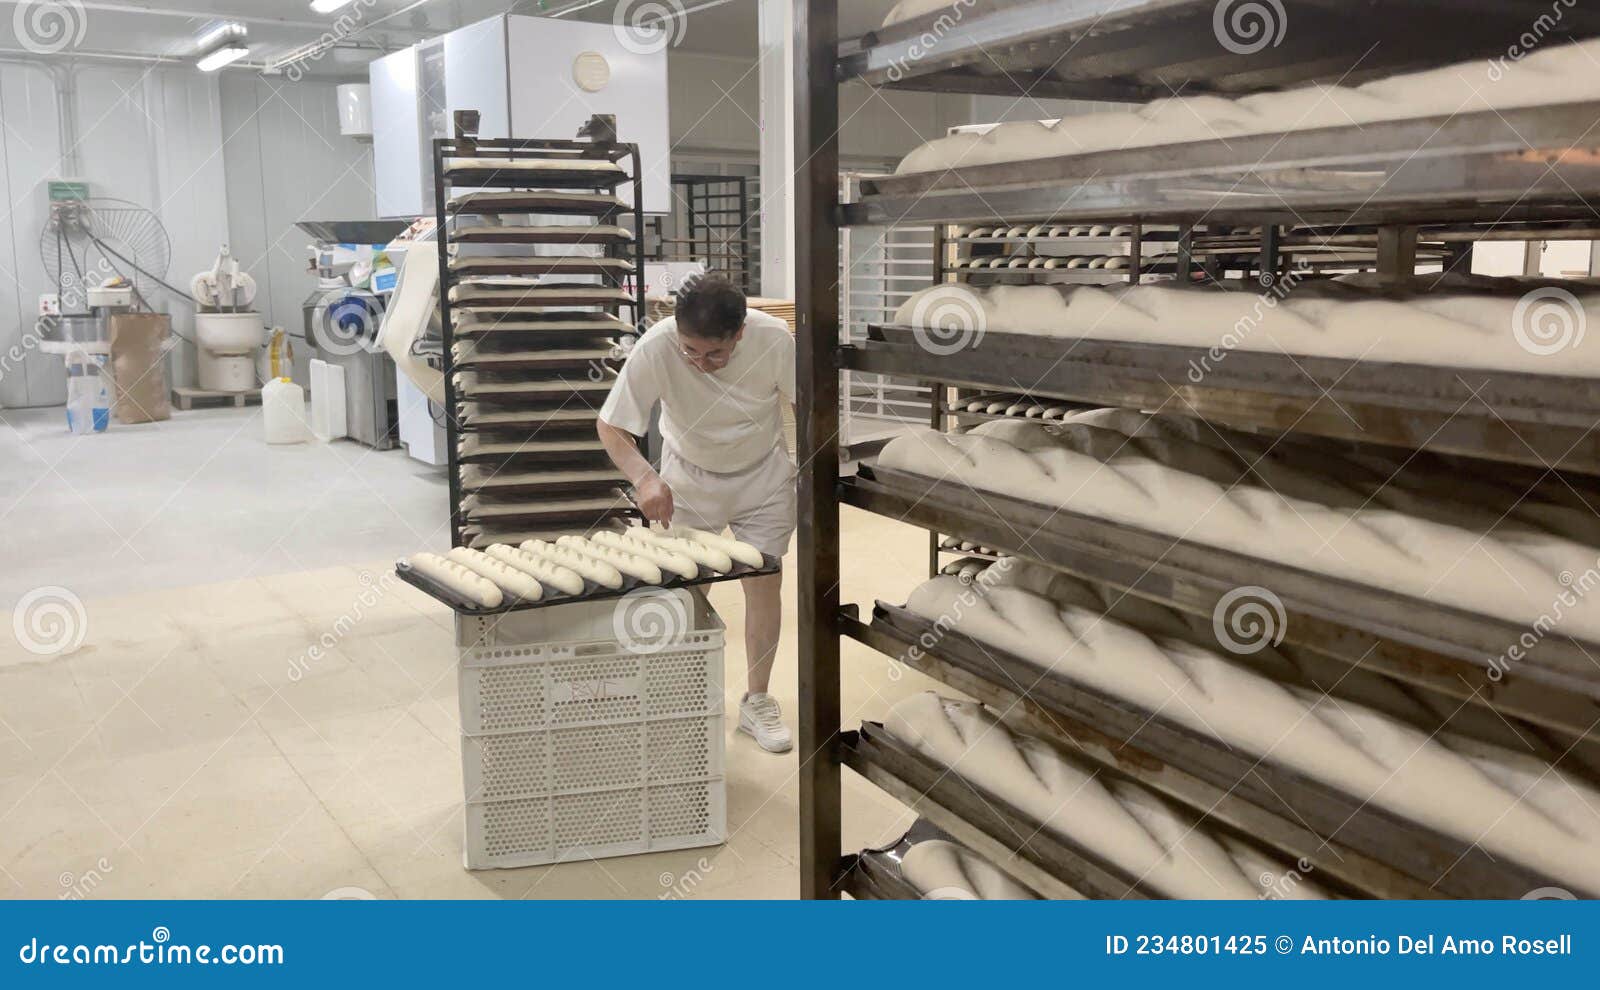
(721, 373)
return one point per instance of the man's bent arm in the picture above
(655, 498)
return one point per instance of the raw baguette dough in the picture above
(464, 582)
(1512, 805)
(507, 578)
(1471, 543)
(563, 579)
(593, 569)
(944, 871)
(1553, 75)
(710, 558)
(663, 557)
(630, 564)
(1121, 823)
(739, 550)
(1338, 318)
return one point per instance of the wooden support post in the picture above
(816, 186)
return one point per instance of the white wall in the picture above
(287, 161)
(148, 135)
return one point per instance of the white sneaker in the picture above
(760, 718)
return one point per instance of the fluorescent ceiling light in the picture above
(226, 55)
(329, 6)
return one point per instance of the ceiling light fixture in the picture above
(328, 6)
(220, 46)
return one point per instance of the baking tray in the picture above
(534, 201)
(591, 591)
(541, 234)
(1540, 420)
(482, 265)
(1419, 642)
(1372, 849)
(522, 174)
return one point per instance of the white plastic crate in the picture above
(591, 757)
(595, 824)
(592, 729)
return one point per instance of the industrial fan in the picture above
(88, 242)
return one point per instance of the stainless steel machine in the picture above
(342, 315)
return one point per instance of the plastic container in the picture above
(283, 412)
(581, 740)
(88, 393)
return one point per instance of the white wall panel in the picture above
(30, 144)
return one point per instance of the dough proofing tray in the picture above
(591, 591)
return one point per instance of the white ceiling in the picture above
(168, 28)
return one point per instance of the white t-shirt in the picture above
(725, 420)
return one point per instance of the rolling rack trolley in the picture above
(594, 728)
(1486, 175)
(533, 325)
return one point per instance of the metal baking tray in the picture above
(877, 875)
(534, 201)
(483, 265)
(591, 591)
(1420, 642)
(1149, 49)
(553, 176)
(1371, 849)
(1541, 420)
(1039, 860)
(1515, 164)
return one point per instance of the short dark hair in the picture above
(710, 307)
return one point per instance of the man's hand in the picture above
(655, 500)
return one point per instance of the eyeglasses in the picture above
(715, 356)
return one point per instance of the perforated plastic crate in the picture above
(649, 655)
(591, 757)
(596, 824)
(592, 729)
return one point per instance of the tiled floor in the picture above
(189, 747)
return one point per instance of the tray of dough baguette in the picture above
(539, 326)
(1439, 144)
(521, 292)
(1066, 826)
(605, 563)
(925, 864)
(1421, 562)
(1344, 770)
(575, 234)
(1116, 50)
(463, 266)
(1350, 356)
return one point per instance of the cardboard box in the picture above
(139, 366)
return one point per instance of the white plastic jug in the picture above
(88, 393)
(283, 411)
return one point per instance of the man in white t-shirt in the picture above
(721, 373)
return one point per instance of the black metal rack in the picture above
(1513, 174)
(532, 339)
(710, 223)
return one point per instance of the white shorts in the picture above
(757, 503)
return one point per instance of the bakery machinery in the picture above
(228, 332)
(355, 277)
(1520, 706)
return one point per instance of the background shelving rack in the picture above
(1486, 176)
(545, 471)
